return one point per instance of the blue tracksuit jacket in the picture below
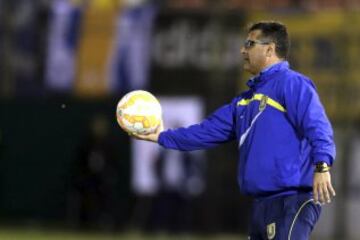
(281, 129)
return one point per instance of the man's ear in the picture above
(270, 51)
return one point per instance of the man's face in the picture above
(254, 52)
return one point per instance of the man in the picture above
(284, 137)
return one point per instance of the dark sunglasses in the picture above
(250, 43)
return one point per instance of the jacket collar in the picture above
(256, 80)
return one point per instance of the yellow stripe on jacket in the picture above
(258, 97)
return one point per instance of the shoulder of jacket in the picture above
(293, 77)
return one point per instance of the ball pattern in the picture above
(139, 112)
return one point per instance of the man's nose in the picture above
(242, 50)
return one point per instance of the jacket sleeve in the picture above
(307, 114)
(215, 129)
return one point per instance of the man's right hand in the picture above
(152, 137)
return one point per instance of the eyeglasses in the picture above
(250, 43)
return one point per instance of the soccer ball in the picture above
(138, 112)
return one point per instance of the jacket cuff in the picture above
(161, 139)
(323, 158)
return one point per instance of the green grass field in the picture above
(22, 234)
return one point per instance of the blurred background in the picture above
(67, 169)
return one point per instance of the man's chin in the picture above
(247, 68)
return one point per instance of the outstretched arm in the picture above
(213, 130)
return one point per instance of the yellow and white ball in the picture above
(139, 112)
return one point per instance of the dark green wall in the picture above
(38, 145)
